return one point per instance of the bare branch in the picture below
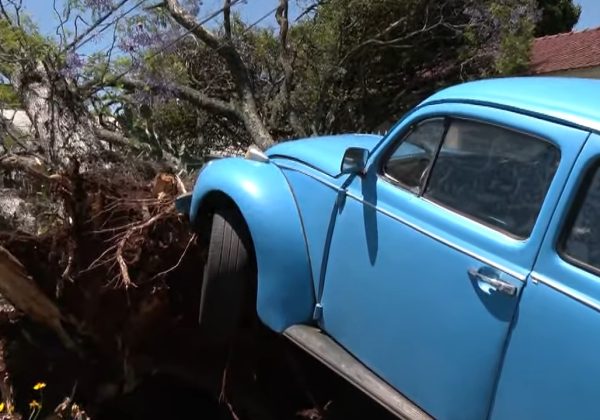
(20, 290)
(125, 278)
(31, 165)
(95, 25)
(116, 139)
(60, 30)
(5, 13)
(227, 18)
(247, 103)
(286, 61)
(310, 9)
(17, 5)
(362, 46)
(187, 93)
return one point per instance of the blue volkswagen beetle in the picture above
(449, 269)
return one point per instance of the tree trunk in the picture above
(61, 124)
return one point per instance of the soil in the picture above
(139, 354)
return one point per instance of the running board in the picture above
(328, 352)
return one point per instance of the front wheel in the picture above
(228, 275)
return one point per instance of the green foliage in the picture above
(358, 65)
(8, 97)
(557, 16)
(515, 30)
(18, 42)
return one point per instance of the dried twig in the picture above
(125, 278)
(183, 254)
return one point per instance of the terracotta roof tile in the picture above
(571, 50)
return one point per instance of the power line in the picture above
(245, 31)
(94, 25)
(266, 15)
(108, 25)
(193, 28)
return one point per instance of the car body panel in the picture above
(553, 350)
(261, 192)
(317, 204)
(388, 274)
(397, 291)
(570, 100)
(491, 244)
(323, 153)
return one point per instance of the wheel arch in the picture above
(261, 194)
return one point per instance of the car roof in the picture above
(574, 101)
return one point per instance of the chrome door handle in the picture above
(500, 285)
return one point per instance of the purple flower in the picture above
(73, 65)
(101, 6)
(138, 38)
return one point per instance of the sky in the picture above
(253, 10)
(590, 14)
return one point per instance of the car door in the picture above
(553, 351)
(431, 248)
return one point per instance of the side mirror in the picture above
(354, 161)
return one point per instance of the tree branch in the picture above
(187, 93)
(20, 290)
(247, 106)
(97, 23)
(286, 61)
(227, 19)
(5, 13)
(116, 139)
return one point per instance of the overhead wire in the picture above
(108, 25)
(208, 18)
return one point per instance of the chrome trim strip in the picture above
(444, 241)
(331, 354)
(484, 260)
(590, 303)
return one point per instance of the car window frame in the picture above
(591, 171)
(395, 144)
(448, 119)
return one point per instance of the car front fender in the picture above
(285, 294)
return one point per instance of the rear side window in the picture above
(581, 244)
(494, 175)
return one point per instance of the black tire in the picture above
(228, 273)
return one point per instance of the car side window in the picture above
(581, 244)
(410, 161)
(494, 175)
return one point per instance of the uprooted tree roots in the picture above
(100, 310)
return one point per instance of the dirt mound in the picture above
(100, 311)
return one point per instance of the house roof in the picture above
(567, 51)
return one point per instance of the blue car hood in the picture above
(323, 153)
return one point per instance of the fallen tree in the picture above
(99, 275)
(109, 322)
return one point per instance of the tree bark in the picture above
(20, 290)
(62, 125)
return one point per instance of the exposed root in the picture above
(183, 254)
(6, 387)
(125, 278)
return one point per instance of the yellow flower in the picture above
(39, 385)
(34, 405)
(1, 407)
